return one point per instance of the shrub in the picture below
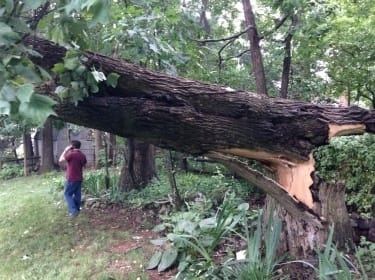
(9, 171)
(94, 184)
(350, 160)
(203, 245)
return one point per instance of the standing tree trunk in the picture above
(112, 149)
(256, 54)
(301, 240)
(172, 179)
(47, 160)
(98, 147)
(139, 166)
(287, 59)
(203, 17)
(27, 153)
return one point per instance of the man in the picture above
(75, 161)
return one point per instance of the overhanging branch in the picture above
(196, 118)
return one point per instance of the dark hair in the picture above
(75, 144)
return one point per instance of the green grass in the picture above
(38, 240)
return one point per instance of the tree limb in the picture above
(199, 118)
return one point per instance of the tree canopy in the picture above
(329, 54)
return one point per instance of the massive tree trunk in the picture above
(139, 166)
(198, 118)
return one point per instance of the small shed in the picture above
(62, 138)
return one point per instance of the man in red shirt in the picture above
(75, 161)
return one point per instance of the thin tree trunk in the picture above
(112, 149)
(98, 147)
(47, 160)
(256, 54)
(14, 147)
(287, 59)
(203, 17)
(107, 180)
(27, 153)
(172, 179)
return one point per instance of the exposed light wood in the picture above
(294, 177)
(296, 180)
(346, 129)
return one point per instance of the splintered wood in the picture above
(295, 175)
(296, 180)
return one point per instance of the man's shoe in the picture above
(73, 214)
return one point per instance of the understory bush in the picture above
(366, 253)
(192, 187)
(351, 160)
(94, 185)
(209, 247)
(9, 171)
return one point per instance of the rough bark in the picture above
(112, 150)
(98, 146)
(27, 153)
(139, 167)
(195, 117)
(256, 54)
(300, 238)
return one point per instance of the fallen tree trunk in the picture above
(199, 118)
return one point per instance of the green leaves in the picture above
(163, 260)
(24, 93)
(76, 81)
(24, 105)
(7, 35)
(350, 159)
(98, 10)
(37, 109)
(168, 258)
(32, 5)
(155, 260)
(112, 79)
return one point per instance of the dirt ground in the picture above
(138, 222)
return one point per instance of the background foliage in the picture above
(351, 160)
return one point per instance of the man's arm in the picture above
(62, 157)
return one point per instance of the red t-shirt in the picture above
(75, 162)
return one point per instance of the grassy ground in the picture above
(38, 240)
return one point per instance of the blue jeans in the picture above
(72, 195)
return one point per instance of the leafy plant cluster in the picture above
(76, 81)
(366, 253)
(202, 189)
(233, 243)
(351, 160)
(9, 171)
(205, 246)
(94, 185)
(20, 78)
